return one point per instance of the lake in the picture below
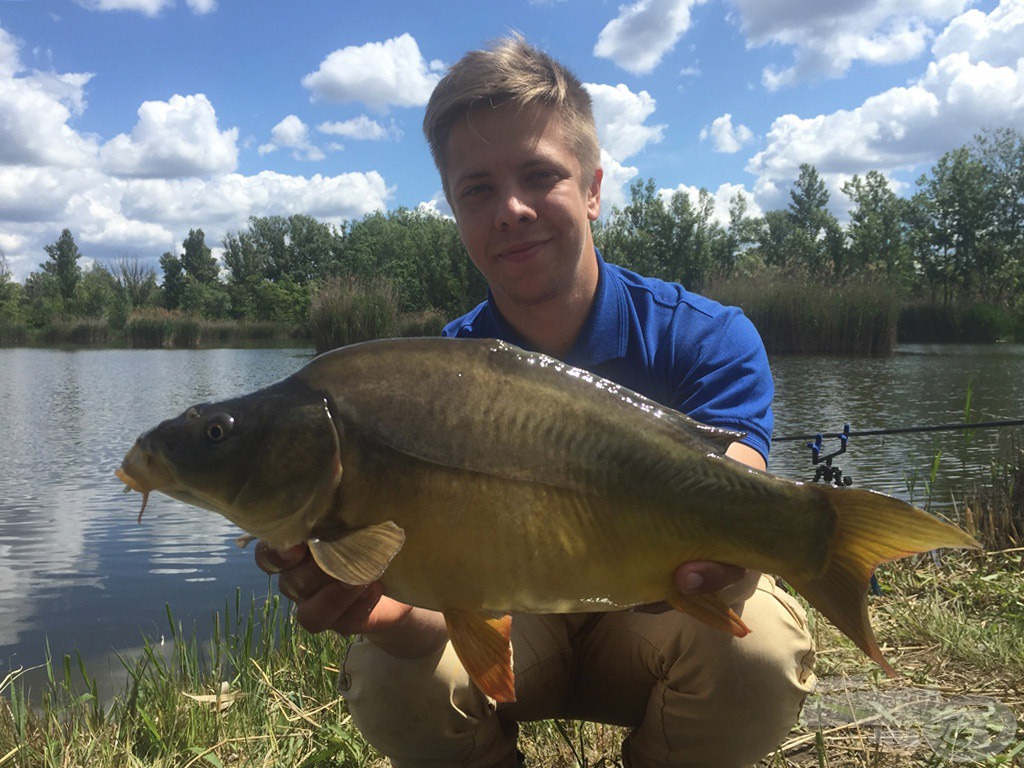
(79, 573)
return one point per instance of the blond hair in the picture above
(511, 72)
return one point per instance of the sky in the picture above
(131, 122)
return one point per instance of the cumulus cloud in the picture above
(829, 37)
(997, 37)
(620, 115)
(35, 110)
(643, 32)
(147, 7)
(898, 129)
(725, 136)
(360, 128)
(615, 183)
(293, 134)
(380, 75)
(173, 139)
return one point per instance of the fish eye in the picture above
(219, 427)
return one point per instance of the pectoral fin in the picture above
(709, 608)
(361, 555)
(484, 647)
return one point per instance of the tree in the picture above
(10, 292)
(135, 280)
(876, 234)
(174, 280)
(62, 264)
(1001, 152)
(954, 209)
(197, 261)
(813, 240)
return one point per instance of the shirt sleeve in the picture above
(728, 382)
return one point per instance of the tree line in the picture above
(957, 239)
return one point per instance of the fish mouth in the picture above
(136, 473)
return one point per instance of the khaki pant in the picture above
(694, 696)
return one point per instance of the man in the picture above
(513, 136)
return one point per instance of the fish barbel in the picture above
(475, 478)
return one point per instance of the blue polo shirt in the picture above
(680, 349)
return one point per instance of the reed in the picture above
(77, 332)
(346, 310)
(816, 318)
(161, 329)
(13, 333)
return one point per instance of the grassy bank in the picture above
(262, 692)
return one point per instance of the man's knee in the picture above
(423, 712)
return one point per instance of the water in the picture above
(78, 572)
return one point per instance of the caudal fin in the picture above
(871, 529)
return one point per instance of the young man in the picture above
(513, 136)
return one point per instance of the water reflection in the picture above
(75, 569)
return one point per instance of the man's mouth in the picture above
(522, 251)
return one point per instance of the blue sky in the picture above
(132, 121)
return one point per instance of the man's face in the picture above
(522, 206)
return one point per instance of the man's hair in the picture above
(511, 72)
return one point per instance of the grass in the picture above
(261, 692)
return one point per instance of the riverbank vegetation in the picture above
(261, 692)
(945, 263)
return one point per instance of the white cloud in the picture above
(722, 199)
(147, 7)
(380, 75)
(173, 139)
(293, 134)
(202, 7)
(997, 37)
(643, 32)
(360, 128)
(725, 136)
(898, 129)
(35, 109)
(828, 37)
(615, 183)
(620, 115)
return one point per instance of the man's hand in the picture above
(325, 603)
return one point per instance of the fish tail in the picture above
(870, 529)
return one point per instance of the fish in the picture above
(481, 480)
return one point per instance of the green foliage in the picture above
(346, 310)
(674, 240)
(62, 264)
(197, 259)
(174, 280)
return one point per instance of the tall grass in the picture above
(347, 310)
(797, 316)
(163, 329)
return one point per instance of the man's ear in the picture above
(594, 195)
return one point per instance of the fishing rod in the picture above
(903, 430)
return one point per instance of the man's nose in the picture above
(513, 209)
